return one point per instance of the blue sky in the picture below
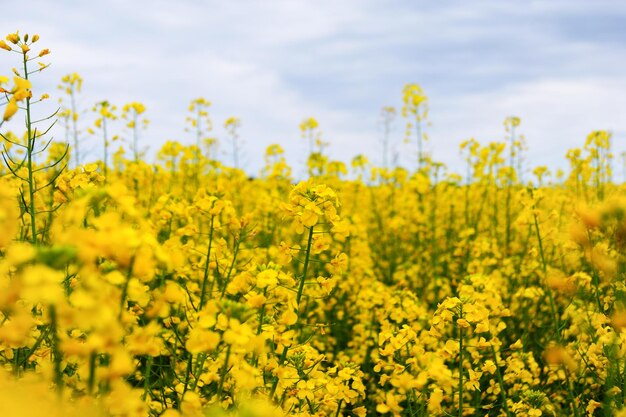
(559, 65)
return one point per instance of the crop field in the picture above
(186, 287)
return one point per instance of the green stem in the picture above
(500, 382)
(418, 132)
(259, 329)
(199, 366)
(188, 373)
(232, 265)
(56, 353)
(92, 372)
(30, 151)
(125, 288)
(508, 190)
(339, 408)
(220, 389)
(23, 362)
(205, 278)
(283, 357)
(555, 315)
(146, 377)
(305, 269)
(74, 125)
(461, 366)
(106, 147)
(135, 137)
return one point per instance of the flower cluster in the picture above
(184, 288)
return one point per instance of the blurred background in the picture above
(560, 66)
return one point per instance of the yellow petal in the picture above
(10, 109)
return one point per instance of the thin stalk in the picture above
(198, 143)
(500, 382)
(106, 147)
(339, 408)
(544, 265)
(56, 353)
(135, 137)
(420, 154)
(224, 372)
(461, 366)
(508, 190)
(205, 277)
(30, 149)
(283, 357)
(555, 316)
(199, 366)
(305, 268)
(235, 152)
(23, 362)
(146, 377)
(232, 265)
(92, 373)
(259, 329)
(125, 288)
(188, 373)
(385, 147)
(74, 125)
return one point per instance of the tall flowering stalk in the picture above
(71, 85)
(232, 125)
(309, 206)
(32, 181)
(387, 116)
(34, 143)
(415, 110)
(309, 130)
(106, 114)
(133, 114)
(200, 125)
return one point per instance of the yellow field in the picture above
(185, 288)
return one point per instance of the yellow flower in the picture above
(310, 215)
(201, 340)
(10, 109)
(145, 340)
(13, 37)
(267, 278)
(309, 124)
(305, 389)
(289, 318)
(390, 405)
(256, 300)
(463, 323)
(22, 88)
(434, 401)
(42, 284)
(489, 366)
(592, 406)
(15, 332)
(238, 334)
(473, 383)
(360, 411)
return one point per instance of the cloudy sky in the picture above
(559, 65)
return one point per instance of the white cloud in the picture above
(557, 114)
(274, 62)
